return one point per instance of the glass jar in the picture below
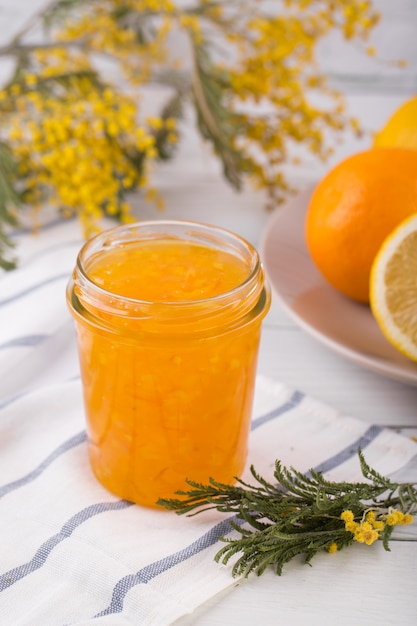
(168, 318)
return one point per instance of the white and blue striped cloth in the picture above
(73, 554)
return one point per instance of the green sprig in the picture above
(302, 514)
(9, 200)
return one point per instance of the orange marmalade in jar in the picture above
(168, 318)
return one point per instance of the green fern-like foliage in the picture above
(300, 514)
(9, 200)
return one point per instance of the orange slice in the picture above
(393, 287)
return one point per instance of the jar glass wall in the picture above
(168, 318)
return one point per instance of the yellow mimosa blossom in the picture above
(370, 517)
(80, 148)
(351, 526)
(347, 516)
(373, 523)
(398, 517)
(365, 533)
(81, 143)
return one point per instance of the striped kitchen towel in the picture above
(73, 554)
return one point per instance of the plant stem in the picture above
(22, 49)
(31, 22)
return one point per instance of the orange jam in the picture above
(168, 318)
(167, 271)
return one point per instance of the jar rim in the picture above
(100, 239)
(236, 307)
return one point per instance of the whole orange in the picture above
(353, 209)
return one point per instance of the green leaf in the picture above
(301, 515)
(9, 201)
(216, 122)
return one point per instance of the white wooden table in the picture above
(364, 587)
(359, 586)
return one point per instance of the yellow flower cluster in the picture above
(394, 518)
(368, 528)
(275, 70)
(354, 17)
(136, 42)
(79, 145)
